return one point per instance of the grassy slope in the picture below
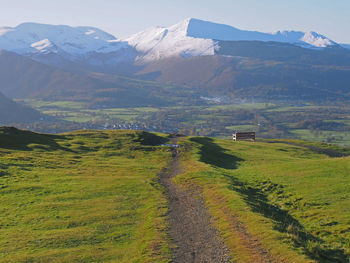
(94, 197)
(81, 197)
(294, 201)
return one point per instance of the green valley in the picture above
(308, 121)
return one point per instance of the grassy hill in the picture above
(12, 112)
(81, 197)
(294, 200)
(95, 196)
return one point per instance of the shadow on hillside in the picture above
(213, 154)
(15, 139)
(329, 150)
(312, 246)
(149, 139)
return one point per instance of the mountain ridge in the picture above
(92, 46)
(205, 29)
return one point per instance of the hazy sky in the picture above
(121, 18)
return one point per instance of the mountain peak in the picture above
(160, 42)
(40, 29)
(209, 30)
(317, 40)
(34, 37)
(194, 27)
(195, 37)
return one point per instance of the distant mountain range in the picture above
(193, 37)
(89, 45)
(194, 58)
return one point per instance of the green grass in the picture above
(241, 106)
(94, 196)
(243, 128)
(80, 112)
(294, 108)
(336, 137)
(295, 201)
(39, 104)
(82, 197)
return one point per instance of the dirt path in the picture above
(190, 228)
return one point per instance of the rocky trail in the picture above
(190, 229)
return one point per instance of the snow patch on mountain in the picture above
(89, 32)
(316, 40)
(44, 46)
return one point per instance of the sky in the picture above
(124, 17)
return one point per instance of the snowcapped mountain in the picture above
(32, 37)
(208, 30)
(158, 43)
(89, 46)
(194, 37)
(213, 59)
(60, 45)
